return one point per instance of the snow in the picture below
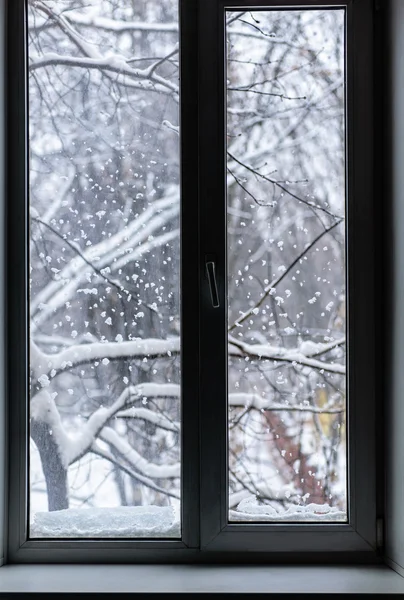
(113, 63)
(152, 417)
(128, 244)
(124, 521)
(80, 354)
(119, 26)
(114, 220)
(43, 408)
(261, 403)
(249, 510)
(294, 355)
(140, 463)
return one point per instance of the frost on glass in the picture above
(286, 265)
(104, 268)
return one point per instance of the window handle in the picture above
(210, 268)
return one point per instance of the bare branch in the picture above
(271, 287)
(282, 187)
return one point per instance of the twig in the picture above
(76, 249)
(283, 188)
(273, 284)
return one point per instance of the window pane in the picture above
(286, 265)
(104, 269)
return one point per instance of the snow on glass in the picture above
(286, 265)
(104, 269)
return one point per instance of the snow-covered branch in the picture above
(118, 26)
(145, 414)
(102, 415)
(46, 366)
(292, 355)
(128, 244)
(93, 59)
(136, 461)
(71, 449)
(247, 401)
(116, 64)
(120, 464)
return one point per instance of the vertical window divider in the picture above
(190, 329)
(213, 340)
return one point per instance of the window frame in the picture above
(19, 549)
(206, 533)
(360, 534)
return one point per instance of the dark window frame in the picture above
(360, 533)
(206, 534)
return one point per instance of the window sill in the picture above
(198, 578)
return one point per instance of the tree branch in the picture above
(271, 287)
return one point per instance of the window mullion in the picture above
(190, 357)
(213, 339)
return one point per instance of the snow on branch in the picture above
(115, 25)
(128, 244)
(119, 26)
(93, 58)
(95, 449)
(71, 449)
(245, 400)
(298, 356)
(103, 414)
(135, 253)
(45, 365)
(115, 64)
(135, 460)
(43, 408)
(145, 414)
(117, 264)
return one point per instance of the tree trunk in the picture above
(53, 469)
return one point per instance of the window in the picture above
(286, 265)
(190, 304)
(104, 270)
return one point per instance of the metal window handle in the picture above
(210, 268)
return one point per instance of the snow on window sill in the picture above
(124, 521)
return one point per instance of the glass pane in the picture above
(286, 265)
(104, 269)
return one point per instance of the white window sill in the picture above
(198, 578)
